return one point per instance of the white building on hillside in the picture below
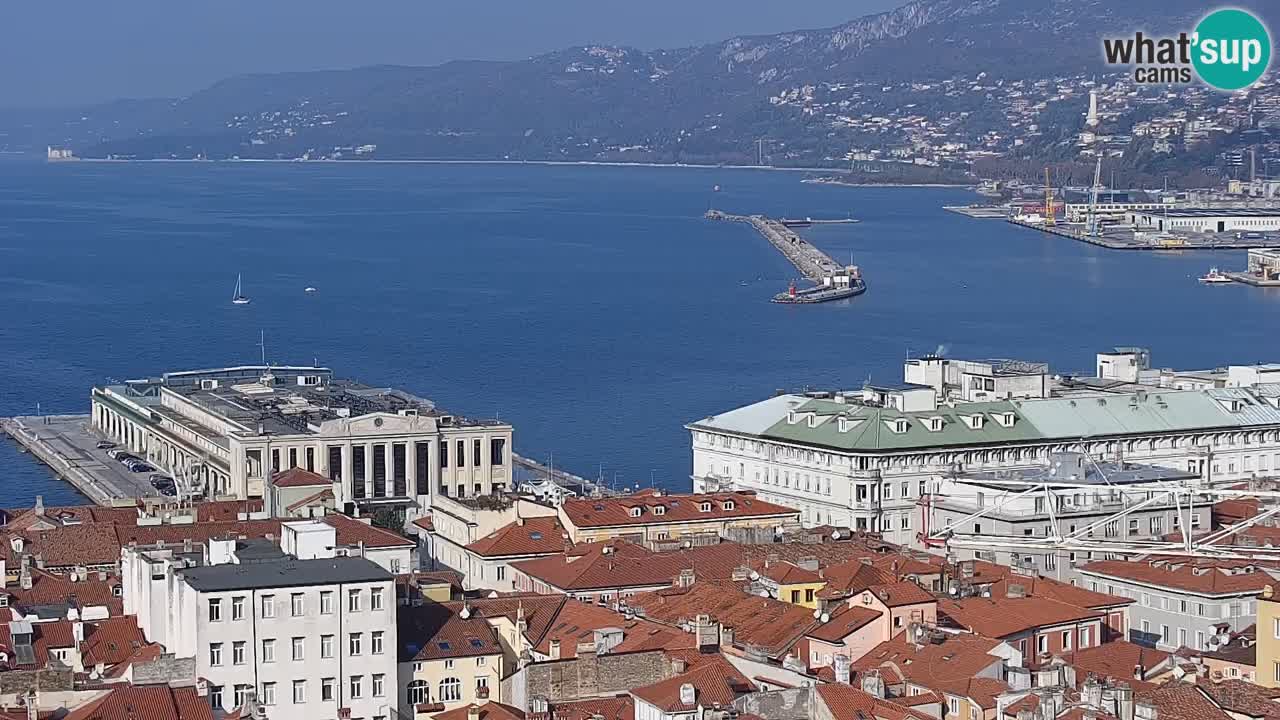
(309, 634)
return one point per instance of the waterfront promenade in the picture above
(809, 260)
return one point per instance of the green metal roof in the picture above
(1127, 414)
(869, 428)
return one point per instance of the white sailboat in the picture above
(239, 298)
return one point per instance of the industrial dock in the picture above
(832, 281)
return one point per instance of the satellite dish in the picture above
(825, 618)
(817, 613)
(755, 575)
(764, 593)
(465, 612)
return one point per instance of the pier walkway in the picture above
(65, 443)
(809, 260)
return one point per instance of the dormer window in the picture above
(791, 417)
(935, 423)
(842, 424)
(637, 511)
(704, 507)
(898, 426)
(727, 505)
(659, 510)
(975, 421)
(1006, 419)
(812, 420)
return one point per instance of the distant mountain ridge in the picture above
(705, 103)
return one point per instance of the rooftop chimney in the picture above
(841, 662)
(688, 695)
(473, 712)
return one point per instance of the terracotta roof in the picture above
(145, 702)
(352, 532)
(617, 511)
(1240, 697)
(1001, 617)
(1116, 659)
(852, 577)
(50, 589)
(1202, 576)
(404, 581)
(488, 711)
(1035, 586)
(300, 477)
(1182, 701)
(949, 666)
(530, 536)
(112, 641)
(848, 703)
(577, 622)
(45, 636)
(763, 622)
(71, 545)
(540, 611)
(604, 566)
(437, 631)
(785, 573)
(615, 708)
(716, 681)
(900, 593)
(425, 522)
(1229, 512)
(924, 698)
(845, 620)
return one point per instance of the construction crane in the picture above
(1093, 227)
(1048, 199)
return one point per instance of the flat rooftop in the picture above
(285, 572)
(1078, 469)
(1192, 212)
(283, 400)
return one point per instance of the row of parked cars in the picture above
(161, 482)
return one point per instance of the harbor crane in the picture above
(1093, 227)
(1048, 199)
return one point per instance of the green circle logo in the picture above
(1231, 49)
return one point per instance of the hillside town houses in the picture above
(987, 540)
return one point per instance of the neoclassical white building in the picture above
(864, 459)
(225, 430)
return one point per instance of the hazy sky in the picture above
(73, 51)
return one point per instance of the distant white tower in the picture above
(1091, 120)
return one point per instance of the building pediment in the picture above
(378, 424)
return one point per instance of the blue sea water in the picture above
(591, 306)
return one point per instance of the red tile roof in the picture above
(299, 477)
(145, 702)
(1239, 697)
(769, 624)
(849, 703)
(50, 589)
(576, 622)
(1203, 576)
(1001, 617)
(900, 593)
(947, 667)
(1035, 586)
(658, 508)
(313, 499)
(487, 711)
(615, 708)
(845, 620)
(852, 577)
(785, 573)
(351, 532)
(1115, 659)
(437, 631)
(530, 536)
(604, 566)
(1182, 701)
(715, 681)
(425, 522)
(112, 641)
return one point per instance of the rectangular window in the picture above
(215, 610)
(295, 604)
(375, 642)
(375, 599)
(444, 454)
(242, 694)
(1042, 643)
(326, 602)
(1066, 639)
(215, 696)
(326, 646)
(215, 654)
(1164, 634)
(353, 601)
(1182, 637)
(268, 650)
(299, 648)
(353, 644)
(498, 452)
(475, 453)
(377, 683)
(460, 454)
(357, 687)
(1084, 637)
(299, 692)
(328, 689)
(268, 606)
(268, 693)
(237, 652)
(237, 608)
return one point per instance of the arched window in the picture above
(419, 692)
(450, 690)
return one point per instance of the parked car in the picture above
(115, 454)
(104, 445)
(141, 467)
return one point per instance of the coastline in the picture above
(553, 163)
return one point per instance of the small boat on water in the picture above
(238, 297)
(309, 290)
(1215, 277)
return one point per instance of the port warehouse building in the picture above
(1223, 219)
(219, 431)
(844, 460)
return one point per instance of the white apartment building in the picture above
(845, 459)
(222, 431)
(311, 636)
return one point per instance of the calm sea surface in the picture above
(591, 306)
